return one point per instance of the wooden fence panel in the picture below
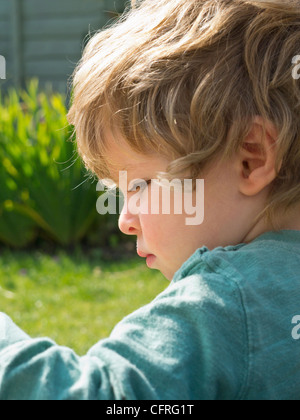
(44, 39)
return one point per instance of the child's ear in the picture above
(257, 158)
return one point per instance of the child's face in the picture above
(167, 237)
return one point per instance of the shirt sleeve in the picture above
(190, 343)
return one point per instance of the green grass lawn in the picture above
(72, 298)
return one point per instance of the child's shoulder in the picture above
(266, 253)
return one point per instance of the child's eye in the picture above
(141, 185)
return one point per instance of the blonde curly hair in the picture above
(185, 78)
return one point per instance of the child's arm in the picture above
(189, 343)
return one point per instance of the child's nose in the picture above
(129, 223)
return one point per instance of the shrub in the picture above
(44, 187)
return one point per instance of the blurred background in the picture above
(44, 39)
(46, 194)
(65, 271)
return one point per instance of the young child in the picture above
(191, 89)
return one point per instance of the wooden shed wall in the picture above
(44, 38)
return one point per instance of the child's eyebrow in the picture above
(123, 169)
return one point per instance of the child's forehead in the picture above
(121, 157)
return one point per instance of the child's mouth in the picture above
(150, 258)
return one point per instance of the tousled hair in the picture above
(185, 78)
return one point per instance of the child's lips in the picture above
(142, 254)
(150, 258)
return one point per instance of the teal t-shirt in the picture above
(227, 327)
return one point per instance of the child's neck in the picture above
(289, 220)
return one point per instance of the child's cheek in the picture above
(153, 231)
(162, 200)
